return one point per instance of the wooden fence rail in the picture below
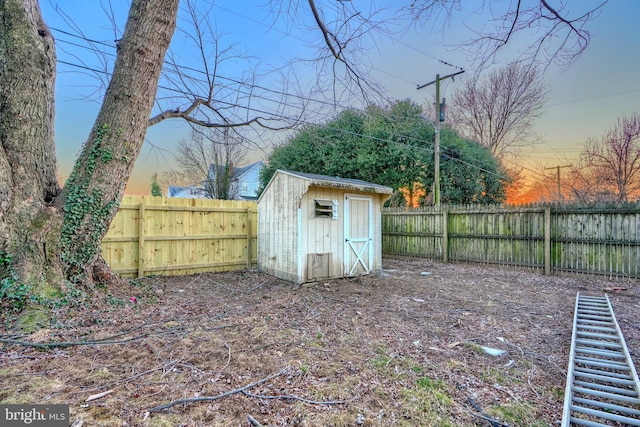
(171, 236)
(551, 239)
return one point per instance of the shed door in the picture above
(358, 235)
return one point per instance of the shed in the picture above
(316, 227)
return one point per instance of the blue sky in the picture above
(585, 100)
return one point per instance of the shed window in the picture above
(326, 209)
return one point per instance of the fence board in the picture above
(548, 239)
(167, 236)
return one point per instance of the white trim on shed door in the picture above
(358, 234)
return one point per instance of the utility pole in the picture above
(436, 125)
(557, 168)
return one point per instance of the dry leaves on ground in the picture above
(410, 347)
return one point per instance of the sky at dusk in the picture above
(585, 100)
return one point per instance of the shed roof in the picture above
(336, 182)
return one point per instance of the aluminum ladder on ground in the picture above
(602, 383)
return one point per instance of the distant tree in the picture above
(470, 173)
(176, 177)
(614, 159)
(208, 159)
(516, 190)
(540, 189)
(584, 185)
(498, 111)
(392, 146)
(155, 187)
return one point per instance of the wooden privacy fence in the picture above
(548, 239)
(171, 236)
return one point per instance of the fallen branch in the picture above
(219, 396)
(95, 341)
(99, 395)
(255, 287)
(301, 399)
(615, 288)
(253, 421)
(481, 414)
(126, 380)
(69, 343)
(228, 358)
(478, 412)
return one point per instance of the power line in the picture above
(540, 175)
(255, 21)
(182, 67)
(253, 86)
(112, 45)
(295, 96)
(593, 98)
(282, 117)
(247, 108)
(84, 67)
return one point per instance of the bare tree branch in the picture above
(513, 24)
(614, 159)
(329, 38)
(499, 110)
(556, 35)
(345, 30)
(292, 397)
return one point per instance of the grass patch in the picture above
(18, 390)
(100, 375)
(520, 414)
(497, 376)
(381, 361)
(428, 403)
(164, 421)
(399, 365)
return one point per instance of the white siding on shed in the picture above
(278, 227)
(323, 235)
(297, 245)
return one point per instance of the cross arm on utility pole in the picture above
(439, 79)
(557, 168)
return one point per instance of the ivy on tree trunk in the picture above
(53, 235)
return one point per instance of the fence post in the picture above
(141, 238)
(445, 236)
(547, 241)
(249, 233)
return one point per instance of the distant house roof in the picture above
(186, 192)
(236, 172)
(174, 189)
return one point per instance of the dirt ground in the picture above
(244, 348)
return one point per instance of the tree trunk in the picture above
(92, 193)
(28, 182)
(52, 235)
